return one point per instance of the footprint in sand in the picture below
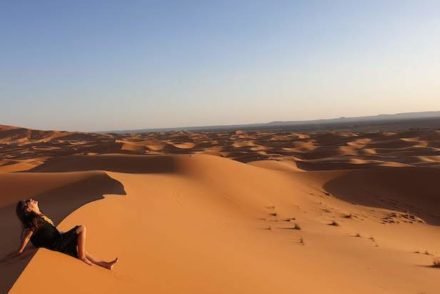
(334, 224)
(426, 252)
(289, 219)
(295, 227)
(374, 241)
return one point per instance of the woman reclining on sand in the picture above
(40, 230)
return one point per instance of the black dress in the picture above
(48, 236)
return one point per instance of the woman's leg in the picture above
(87, 258)
(105, 264)
(81, 231)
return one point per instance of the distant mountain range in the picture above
(379, 117)
(304, 124)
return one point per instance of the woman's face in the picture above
(31, 205)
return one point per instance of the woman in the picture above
(41, 231)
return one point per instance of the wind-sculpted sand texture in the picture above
(228, 212)
(24, 148)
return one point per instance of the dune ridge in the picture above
(308, 151)
(310, 213)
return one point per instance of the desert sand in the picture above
(228, 212)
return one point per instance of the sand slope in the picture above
(206, 224)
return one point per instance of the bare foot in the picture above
(110, 264)
(86, 261)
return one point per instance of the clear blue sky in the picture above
(104, 65)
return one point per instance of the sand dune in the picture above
(312, 151)
(281, 165)
(309, 213)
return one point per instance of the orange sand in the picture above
(198, 223)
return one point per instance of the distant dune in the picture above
(228, 211)
(321, 150)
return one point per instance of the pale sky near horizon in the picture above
(109, 65)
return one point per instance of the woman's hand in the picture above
(21, 252)
(10, 256)
(19, 255)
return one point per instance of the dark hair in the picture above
(29, 220)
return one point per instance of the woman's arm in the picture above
(26, 236)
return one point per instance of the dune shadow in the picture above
(409, 190)
(333, 164)
(57, 203)
(115, 162)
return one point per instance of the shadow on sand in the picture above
(57, 204)
(115, 163)
(410, 190)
